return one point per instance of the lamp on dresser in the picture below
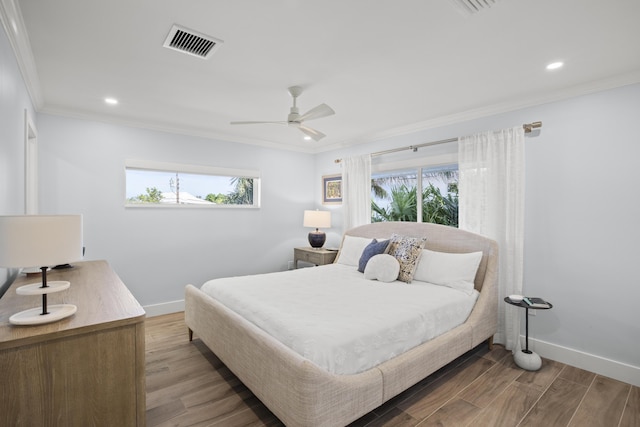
(317, 219)
(41, 241)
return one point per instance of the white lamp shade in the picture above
(317, 219)
(40, 240)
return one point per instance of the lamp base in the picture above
(34, 316)
(317, 239)
(527, 360)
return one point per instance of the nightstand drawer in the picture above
(313, 256)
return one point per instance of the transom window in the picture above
(170, 184)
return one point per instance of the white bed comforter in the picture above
(336, 318)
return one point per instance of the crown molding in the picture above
(473, 114)
(16, 31)
(179, 130)
(494, 109)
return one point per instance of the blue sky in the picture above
(195, 184)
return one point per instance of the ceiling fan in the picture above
(295, 119)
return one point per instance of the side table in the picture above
(527, 359)
(315, 256)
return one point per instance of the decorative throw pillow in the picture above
(351, 249)
(382, 267)
(373, 248)
(407, 251)
(446, 269)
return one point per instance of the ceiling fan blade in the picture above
(316, 135)
(322, 110)
(257, 123)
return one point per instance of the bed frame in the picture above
(302, 394)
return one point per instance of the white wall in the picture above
(157, 252)
(581, 227)
(582, 233)
(14, 100)
(581, 244)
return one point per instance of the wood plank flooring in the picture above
(187, 385)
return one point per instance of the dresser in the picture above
(85, 370)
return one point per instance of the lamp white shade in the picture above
(40, 240)
(317, 219)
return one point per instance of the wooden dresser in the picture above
(85, 370)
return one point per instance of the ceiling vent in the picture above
(191, 42)
(471, 7)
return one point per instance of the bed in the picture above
(300, 388)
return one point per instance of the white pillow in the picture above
(382, 267)
(351, 249)
(454, 270)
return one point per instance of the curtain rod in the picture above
(528, 127)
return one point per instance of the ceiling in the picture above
(385, 67)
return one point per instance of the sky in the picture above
(198, 185)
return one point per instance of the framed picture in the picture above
(332, 189)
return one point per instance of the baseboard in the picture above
(600, 365)
(164, 308)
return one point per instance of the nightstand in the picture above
(314, 256)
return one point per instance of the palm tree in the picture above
(243, 191)
(378, 184)
(436, 208)
(377, 190)
(440, 209)
(402, 206)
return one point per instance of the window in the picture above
(428, 194)
(169, 184)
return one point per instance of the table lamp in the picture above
(317, 219)
(41, 240)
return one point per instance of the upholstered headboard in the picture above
(440, 238)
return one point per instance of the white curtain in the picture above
(356, 191)
(491, 194)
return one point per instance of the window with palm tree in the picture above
(400, 196)
(182, 185)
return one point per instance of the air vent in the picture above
(191, 42)
(470, 7)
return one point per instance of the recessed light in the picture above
(555, 65)
(307, 138)
(111, 101)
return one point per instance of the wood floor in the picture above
(188, 386)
